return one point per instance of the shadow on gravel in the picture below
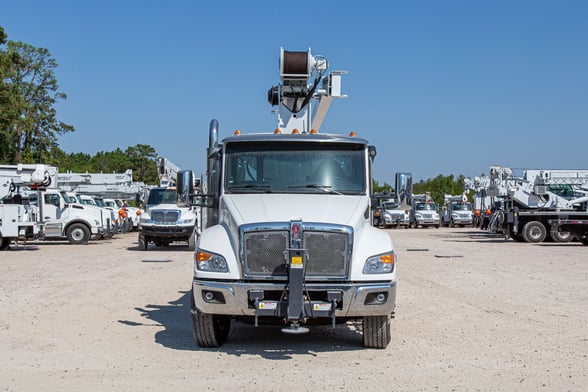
(19, 248)
(244, 339)
(153, 248)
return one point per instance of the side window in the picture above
(52, 199)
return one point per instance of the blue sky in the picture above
(439, 87)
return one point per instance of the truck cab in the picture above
(63, 217)
(164, 221)
(288, 236)
(425, 214)
(458, 213)
(394, 215)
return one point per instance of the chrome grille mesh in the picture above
(265, 253)
(165, 216)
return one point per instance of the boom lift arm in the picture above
(302, 80)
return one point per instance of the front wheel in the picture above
(192, 241)
(143, 242)
(210, 330)
(78, 233)
(376, 331)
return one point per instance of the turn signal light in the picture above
(202, 256)
(387, 258)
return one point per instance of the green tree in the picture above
(29, 92)
(380, 188)
(440, 186)
(143, 158)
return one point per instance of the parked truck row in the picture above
(37, 204)
(534, 205)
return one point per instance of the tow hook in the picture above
(295, 328)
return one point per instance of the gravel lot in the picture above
(474, 313)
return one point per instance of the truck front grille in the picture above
(327, 251)
(165, 216)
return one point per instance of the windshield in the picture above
(89, 202)
(390, 206)
(295, 167)
(162, 196)
(69, 199)
(425, 207)
(462, 207)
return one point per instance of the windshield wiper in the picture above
(251, 187)
(324, 188)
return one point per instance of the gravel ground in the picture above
(474, 313)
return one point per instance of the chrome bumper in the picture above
(356, 297)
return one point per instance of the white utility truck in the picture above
(59, 216)
(424, 211)
(396, 212)
(457, 211)
(287, 223)
(15, 225)
(164, 221)
(528, 207)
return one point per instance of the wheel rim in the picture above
(77, 234)
(535, 233)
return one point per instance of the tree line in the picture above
(29, 126)
(438, 187)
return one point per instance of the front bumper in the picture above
(427, 221)
(233, 298)
(166, 231)
(462, 221)
(395, 220)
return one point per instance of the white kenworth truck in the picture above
(287, 229)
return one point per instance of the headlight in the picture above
(418, 215)
(212, 262)
(187, 221)
(380, 264)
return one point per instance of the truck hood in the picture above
(337, 209)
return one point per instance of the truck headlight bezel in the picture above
(209, 262)
(380, 264)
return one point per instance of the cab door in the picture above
(53, 207)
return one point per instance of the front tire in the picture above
(143, 242)
(4, 242)
(534, 232)
(192, 241)
(376, 331)
(210, 330)
(77, 234)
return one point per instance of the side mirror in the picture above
(207, 201)
(184, 187)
